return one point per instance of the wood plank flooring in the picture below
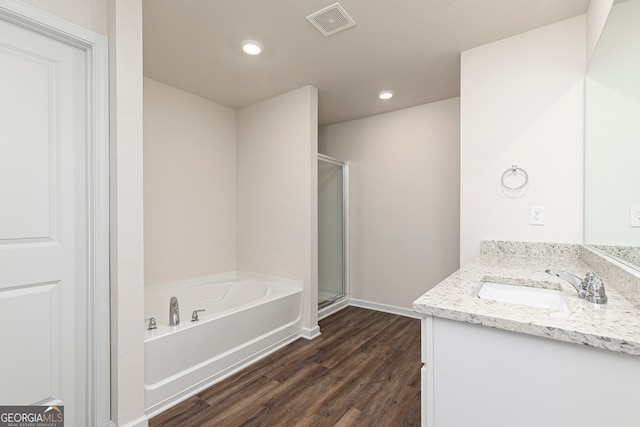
(363, 370)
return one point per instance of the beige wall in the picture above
(91, 14)
(277, 190)
(522, 103)
(404, 206)
(189, 185)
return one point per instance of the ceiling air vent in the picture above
(331, 19)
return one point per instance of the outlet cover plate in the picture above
(634, 212)
(536, 215)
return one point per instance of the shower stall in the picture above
(333, 231)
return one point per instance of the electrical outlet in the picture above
(536, 215)
(634, 211)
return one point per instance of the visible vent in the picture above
(331, 19)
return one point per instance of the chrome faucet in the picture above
(194, 315)
(174, 312)
(595, 289)
(152, 323)
(591, 288)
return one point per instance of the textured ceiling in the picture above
(409, 46)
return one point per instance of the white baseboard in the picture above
(401, 311)
(140, 422)
(310, 333)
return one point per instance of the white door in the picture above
(43, 226)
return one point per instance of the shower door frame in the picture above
(345, 230)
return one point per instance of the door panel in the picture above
(30, 143)
(43, 238)
(40, 350)
(331, 237)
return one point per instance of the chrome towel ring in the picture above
(515, 173)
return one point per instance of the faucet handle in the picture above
(592, 277)
(194, 315)
(594, 288)
(152, 323)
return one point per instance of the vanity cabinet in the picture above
(479, 376)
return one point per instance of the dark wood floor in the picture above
(363, 370)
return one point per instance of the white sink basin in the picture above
(549, 299)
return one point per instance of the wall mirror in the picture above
(612, 137)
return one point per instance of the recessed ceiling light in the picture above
(252, 47)
(386, 94)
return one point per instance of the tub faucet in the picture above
(152, 323)
(194, 315)
(174, 312)
(591, 288)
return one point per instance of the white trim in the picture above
(96, 49)
(345, 229)
(50, 25)
(310, 333)
(333, 308)
(99, 167)
(330, 159)
(139, 422)
(401, 311)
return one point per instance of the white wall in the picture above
(404, 207)
(127, 244)
(189, 185)
(522, 103)
(277, 190)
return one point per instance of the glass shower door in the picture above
(332, 230)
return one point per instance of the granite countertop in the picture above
(613, 326)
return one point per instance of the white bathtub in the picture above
(244, 319)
